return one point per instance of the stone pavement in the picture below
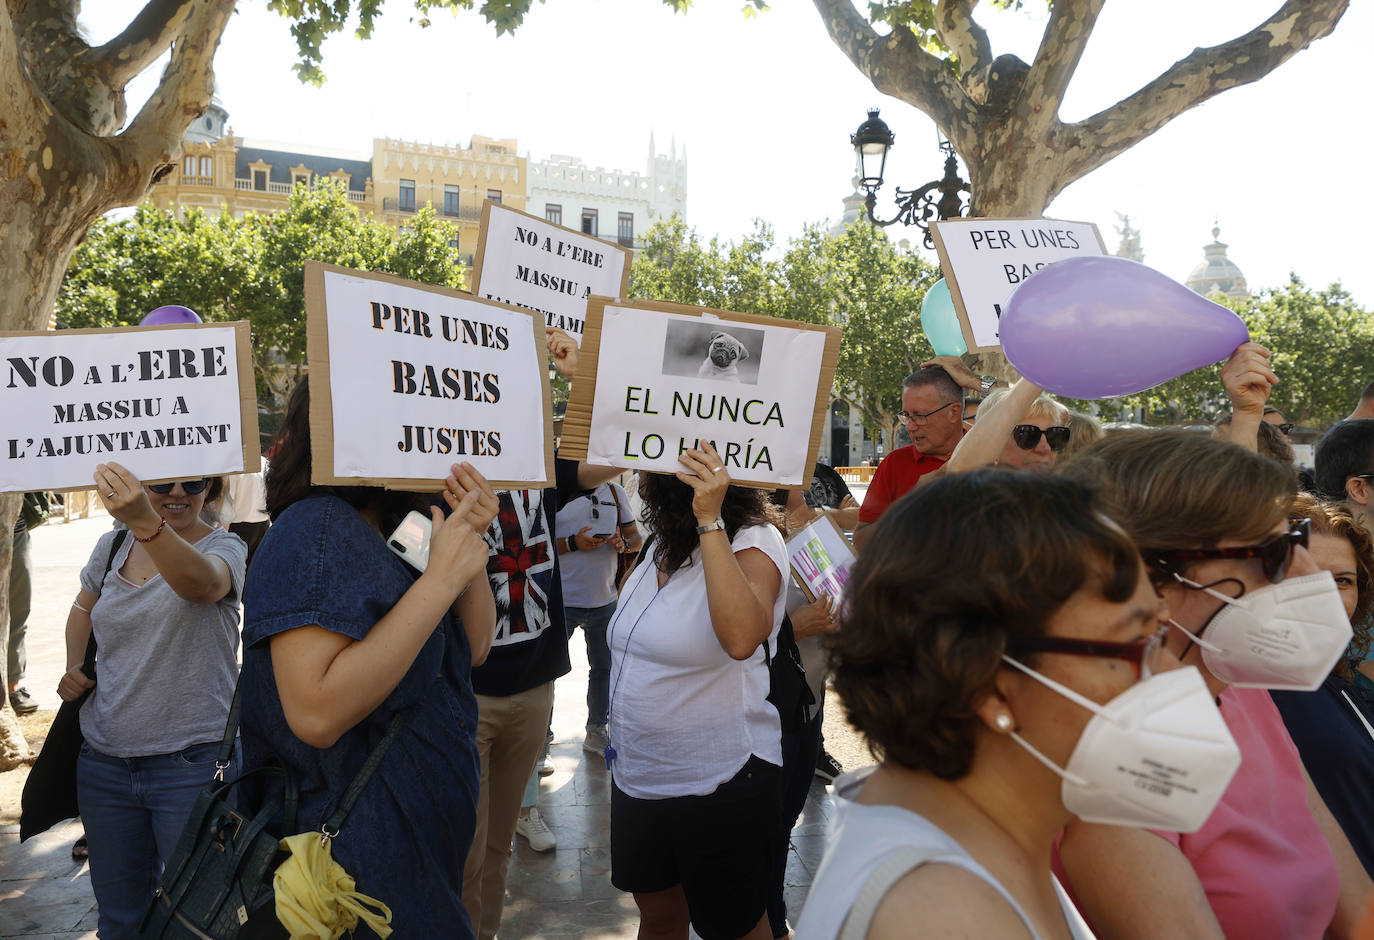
(565, 893)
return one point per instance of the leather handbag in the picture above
(218, 884)
(50, 790)
(625, 561)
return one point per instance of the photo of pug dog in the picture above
(723, 352)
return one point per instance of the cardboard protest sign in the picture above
(528, 262)
(820, 558)
(164, 402)
(984, 259)
(654, 377)
(407, 379)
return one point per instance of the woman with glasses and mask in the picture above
(1032, 689)
(161, 596)
(1252, 611)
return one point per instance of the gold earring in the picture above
(1003, 722)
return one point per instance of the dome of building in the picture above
(1217, 274)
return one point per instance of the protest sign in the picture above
(164, 402)
(984, 259)
(653, 378)
(820, 558)
(528, 262)
(407, 379)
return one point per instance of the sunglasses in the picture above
(1139, 653)
(1027, 436)
(1274, 553)
(916, 417)
(189, 487)
(1286, 427)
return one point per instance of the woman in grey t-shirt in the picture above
(165, 618)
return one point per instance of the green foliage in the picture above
(919, 17)
(314, 21)
(251, 268)
(857, 280)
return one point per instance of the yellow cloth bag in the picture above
(316, 898)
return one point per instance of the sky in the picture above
(764, 106)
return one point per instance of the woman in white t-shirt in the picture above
(695, 747)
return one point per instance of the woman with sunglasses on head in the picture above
(163, 607)
(1332, 726)
(1032, 688)
(1252, 611)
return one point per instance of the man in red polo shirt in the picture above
(932, 411)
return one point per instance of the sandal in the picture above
(81, 850)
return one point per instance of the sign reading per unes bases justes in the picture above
(654, 378)
(165, 402)
(533, 263)
(985, 259)
(407, 379)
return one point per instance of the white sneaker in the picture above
(545, 766)
(596, 741)
(536, 833)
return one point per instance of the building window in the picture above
(207, 166)
(300, 178)
(588, 221)
(451, 201)
(625, 229)
(453, 243)
(494, 195)
(188, 167)
(406, 203)
(553, 213)
(260, 180)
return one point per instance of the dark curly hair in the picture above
(953, 573)
(668, 513)
(1335, 520)
(288, 470)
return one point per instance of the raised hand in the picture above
(959, 372)
(463, 478)
(563, 349)
(125, 498)
(457, 553)
(708, 479)
(1248, 379)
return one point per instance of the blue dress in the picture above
(408, 836)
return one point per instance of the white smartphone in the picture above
(410, 541)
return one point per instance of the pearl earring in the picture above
(1003, 722)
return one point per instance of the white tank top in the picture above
(865, 836)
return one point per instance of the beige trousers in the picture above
(510, 735)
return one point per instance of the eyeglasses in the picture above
(190, 487)
(1027, 436)
(1139, 653)
(915, 417)
(1274, 553)
(1286, 427)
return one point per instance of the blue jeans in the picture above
(593, 621)
(134, 809)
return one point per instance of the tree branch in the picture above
(1191, 81)
(968, 41)
(141, 42)
(1066, 35)
(898, 66)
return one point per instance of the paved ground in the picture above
(562, 894)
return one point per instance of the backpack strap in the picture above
(88, 661)
(891, 869)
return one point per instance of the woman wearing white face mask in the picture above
(1000, 649)
(1252, 612)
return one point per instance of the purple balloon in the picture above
(1102, 327)
(172, 313)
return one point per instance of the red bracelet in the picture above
(156, 532)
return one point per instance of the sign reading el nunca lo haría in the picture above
(654, 378)
(983, 261)
(820, 558)
(165, 402)
(529, 262)
(407, 379)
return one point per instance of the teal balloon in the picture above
(941, 323)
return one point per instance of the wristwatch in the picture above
(711, 526)
(988, 381)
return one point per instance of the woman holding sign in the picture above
(695, 748)
(161, 597)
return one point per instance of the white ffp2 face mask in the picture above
(1281, 636)
(1159, 755)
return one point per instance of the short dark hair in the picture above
(918, 648)
(1343, 452)
(937, 378)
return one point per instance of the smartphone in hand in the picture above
(410, 541)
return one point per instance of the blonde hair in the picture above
(1043, 407)
(1084, 431)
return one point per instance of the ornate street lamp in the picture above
(939, 199)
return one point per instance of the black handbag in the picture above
(50, 791)
(787, 686)
(218, 883)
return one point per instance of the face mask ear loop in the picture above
(1063, 690)
(1210, 647)
(1207, 590)
(1059, 771)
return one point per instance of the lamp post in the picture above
(939, 199)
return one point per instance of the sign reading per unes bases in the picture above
(407, 379)
(533, 263)
(655, 378)
(165, 402)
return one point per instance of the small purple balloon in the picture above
(1102, 327)
(171, 313)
